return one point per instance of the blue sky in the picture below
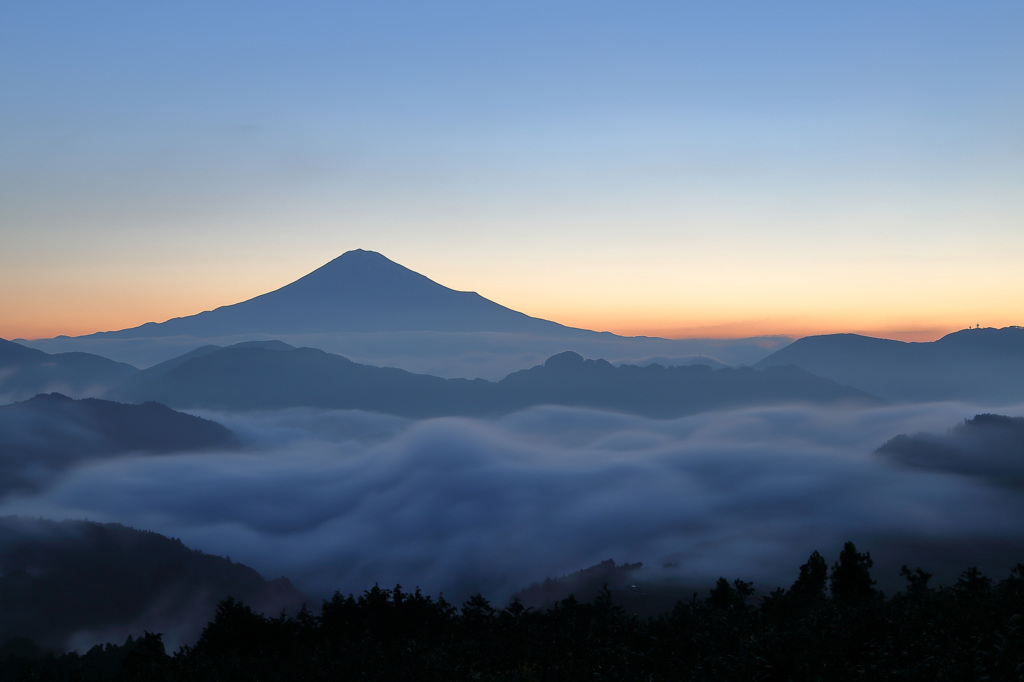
(662, 168)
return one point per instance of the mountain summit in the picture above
(359, 291)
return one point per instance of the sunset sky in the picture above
(674, 169)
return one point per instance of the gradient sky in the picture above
(677, 168)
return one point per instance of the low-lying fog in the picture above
(343, 500)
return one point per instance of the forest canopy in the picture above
(831, 623)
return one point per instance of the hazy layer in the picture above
(487, 355)
(341, 500)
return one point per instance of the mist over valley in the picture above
(698, 459)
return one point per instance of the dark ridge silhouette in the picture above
(585, 584)
(78, 583)
(25, 372)
(359, 291)
(51, 432)
(965, 631)
(989, 445)
(258, 377)
(983, 365)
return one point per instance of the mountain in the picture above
(25, 372)
(982, 365)
(990, 446)
(375, 311)
(45, 435)
(73, 584)
(128, 386)
(657, 391)
(359, 291)
(260, 377)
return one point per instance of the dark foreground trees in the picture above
(830, 625)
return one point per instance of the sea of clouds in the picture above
(341, 500)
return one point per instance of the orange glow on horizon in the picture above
(87, 320)
(63, 309)
(740, 330)
(715, 326)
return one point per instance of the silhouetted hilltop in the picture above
(51, 432)
(77, 583)
(25, 372)
(583, 585)
(984, 365)
(255, 377)
(130, 385)
(359, 291)
(989, 445)
(1005, 342)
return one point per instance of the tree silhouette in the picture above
(851, 575)
(812, 579)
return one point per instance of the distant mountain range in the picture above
(378, 313)
(258, 376)
(273, 374)
(976, 365)
(375, 311)
(981, 365)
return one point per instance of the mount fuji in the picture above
(375, 311)
(359, 291)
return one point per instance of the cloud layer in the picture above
(341, 500)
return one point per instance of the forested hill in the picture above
(830, 624)
(74, 583)
(989, 446)
(49, 433)
(978, 365)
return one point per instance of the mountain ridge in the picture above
(983, 364)
(257, 377)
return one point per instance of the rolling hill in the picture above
(25, 372)
(44, 435)
(981, 365)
